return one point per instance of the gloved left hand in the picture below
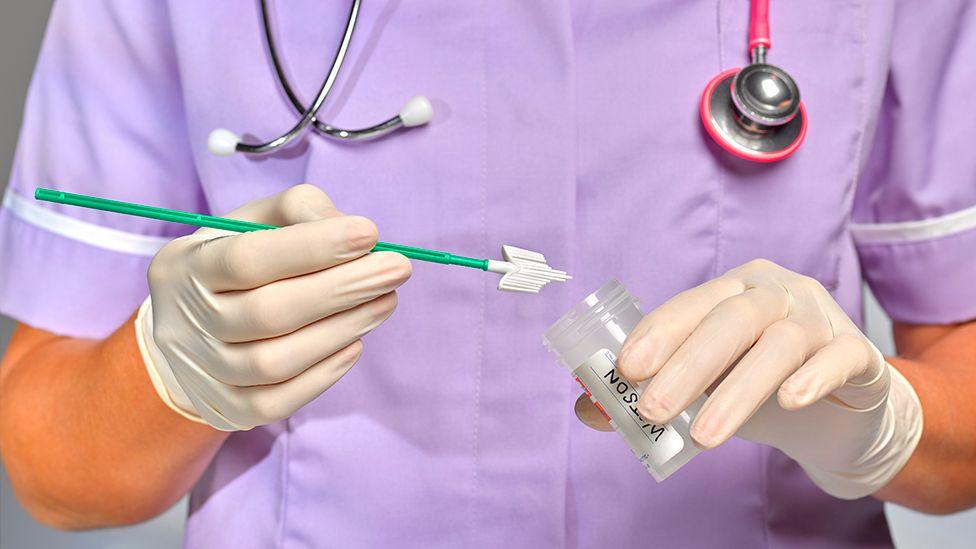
(841, 411)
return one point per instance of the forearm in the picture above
(85, 439)
(940, 477)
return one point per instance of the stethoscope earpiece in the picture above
(416, 112)
(755, 113)
(222, 142)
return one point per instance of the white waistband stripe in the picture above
(914, 231)
(82, 231)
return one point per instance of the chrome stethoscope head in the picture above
(764, 95)
(416, 112)
(755, 113)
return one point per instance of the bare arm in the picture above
(940, 362)
(84, 437)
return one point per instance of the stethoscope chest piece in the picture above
(754, 114)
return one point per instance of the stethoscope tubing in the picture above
(418, 110)
(327, 130)
(308, 116)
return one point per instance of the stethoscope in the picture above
(754, 113)
(416, 112)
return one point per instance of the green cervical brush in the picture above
(522, 270)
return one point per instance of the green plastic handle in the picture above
(236, 225)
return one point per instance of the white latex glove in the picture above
(841, 411)
(244, 329)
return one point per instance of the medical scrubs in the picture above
(566, 127)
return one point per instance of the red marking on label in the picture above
(585, 390)
(602, 411)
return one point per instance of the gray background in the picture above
(21, 29)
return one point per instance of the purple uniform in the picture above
(567, 127)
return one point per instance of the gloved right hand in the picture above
(242, 330)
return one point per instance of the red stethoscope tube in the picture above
(759, 25)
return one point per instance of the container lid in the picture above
(587, 315)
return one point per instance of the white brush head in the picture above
(525, 271)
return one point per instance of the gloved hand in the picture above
(244, 329)
(841, 411)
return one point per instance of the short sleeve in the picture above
(914, 216)
(103, 116)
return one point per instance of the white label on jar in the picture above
(617, 398)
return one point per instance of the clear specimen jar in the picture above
(587, 340)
